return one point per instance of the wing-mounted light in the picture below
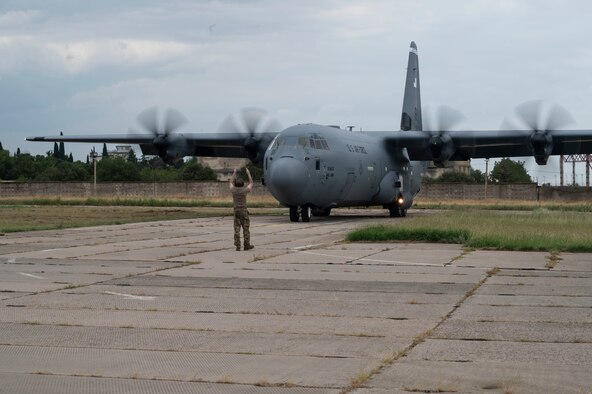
(255, 125)
(170, 146)
(438, 123)
(541, 119)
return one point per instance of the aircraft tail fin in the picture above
(411, 116)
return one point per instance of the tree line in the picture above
(504, 171)
(56, 165)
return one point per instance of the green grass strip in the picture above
(392, 233)
(539, 230)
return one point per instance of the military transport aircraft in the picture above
(312, 168)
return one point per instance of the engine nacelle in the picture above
(172, 148)
(442, 148)
(541, 144)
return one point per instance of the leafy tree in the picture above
(56, 150)
(509, 171)
(256, 172)
(6, 165)
(18, 151)
(477, 176)
(1, 148)
(165, 174)
(453, 177)
(105, 153)
(62, 154)
(131, 157)
(117, 169)
(194, 171)
(66, 171)
(71, 158)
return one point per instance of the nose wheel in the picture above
(397, 212)
(303, 211)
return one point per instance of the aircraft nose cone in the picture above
(287, 179)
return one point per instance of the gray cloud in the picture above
(91, 67)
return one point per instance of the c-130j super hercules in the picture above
(311, 168)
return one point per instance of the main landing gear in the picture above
(304, 211)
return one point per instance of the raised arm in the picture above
(231, 180)
(250, 185)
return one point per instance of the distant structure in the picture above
(573, 159)
(121, 151)
(434, 171)
(223, 166)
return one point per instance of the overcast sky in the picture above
(91, 67)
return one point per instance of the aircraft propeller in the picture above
(254, 124)
(539, 118)
(438, 123)
(170, 146)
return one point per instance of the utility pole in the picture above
(588, 170)
(94, 155)
(561, 160)
(580, 158)
(486, 175)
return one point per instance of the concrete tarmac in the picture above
(172, 307)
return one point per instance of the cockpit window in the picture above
(288, 141)
(318, 142)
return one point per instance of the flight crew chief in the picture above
(241, 215)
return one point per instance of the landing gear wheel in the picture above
(294, 214)
(306, 211)
(396, 212)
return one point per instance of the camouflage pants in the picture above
(241, 218)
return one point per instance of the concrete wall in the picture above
(460, 191)
(121, 189)
(432, 191)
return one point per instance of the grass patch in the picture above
(503, 205)
(395, 233)
(537, 230)
(14, 218)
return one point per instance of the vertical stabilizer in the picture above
(411, 116)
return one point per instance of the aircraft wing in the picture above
(466, 144)
(231, 144)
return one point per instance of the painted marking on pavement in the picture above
(134, 297)
(32, 276)
(301, 248)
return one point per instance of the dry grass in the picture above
(169, 201)
(552, 260)
(26, 218)
(498, 204)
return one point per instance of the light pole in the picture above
(486, 175)
(93, 154)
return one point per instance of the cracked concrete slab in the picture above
(119, 308)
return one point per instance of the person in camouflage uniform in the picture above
(241, 215)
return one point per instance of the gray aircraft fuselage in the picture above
(327, 167)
